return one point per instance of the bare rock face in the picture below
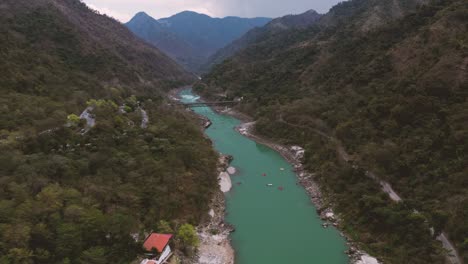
(231, 170)
(366, 259)
(298, 152)
(225, 183)
(207, 124)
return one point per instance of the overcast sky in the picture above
(123, 10)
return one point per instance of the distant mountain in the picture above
(159, 36)
(190, 38)
(273, 27)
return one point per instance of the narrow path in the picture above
(144, 118)
(452, 255)
(386, 187)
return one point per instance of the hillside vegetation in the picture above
(389, 80)
(67, 196)
(274, 27)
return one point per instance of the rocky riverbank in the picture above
(215, 246)
(294, 155)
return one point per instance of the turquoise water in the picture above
(274, 225)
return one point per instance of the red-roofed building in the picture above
(160, 242)
(157, 241)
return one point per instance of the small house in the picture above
(160, 243)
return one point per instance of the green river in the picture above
(273, 226)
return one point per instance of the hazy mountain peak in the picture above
(142, 14)
(142, 17)
(189, 13)
(312, 11)
(191, 37)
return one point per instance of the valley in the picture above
(264, 215)
(331, 137)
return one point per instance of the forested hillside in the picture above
(256, 35)
(389, 80)
(71, 192)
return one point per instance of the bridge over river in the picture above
(204, 104)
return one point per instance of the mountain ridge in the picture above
(190, 37)
(275, 26)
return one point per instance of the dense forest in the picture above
(388, 80)
(71, 193)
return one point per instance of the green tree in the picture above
(50, 198)
(188, 235)
(73, 119)
(69, 240)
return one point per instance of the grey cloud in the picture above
(124, 9)
(250, 8)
